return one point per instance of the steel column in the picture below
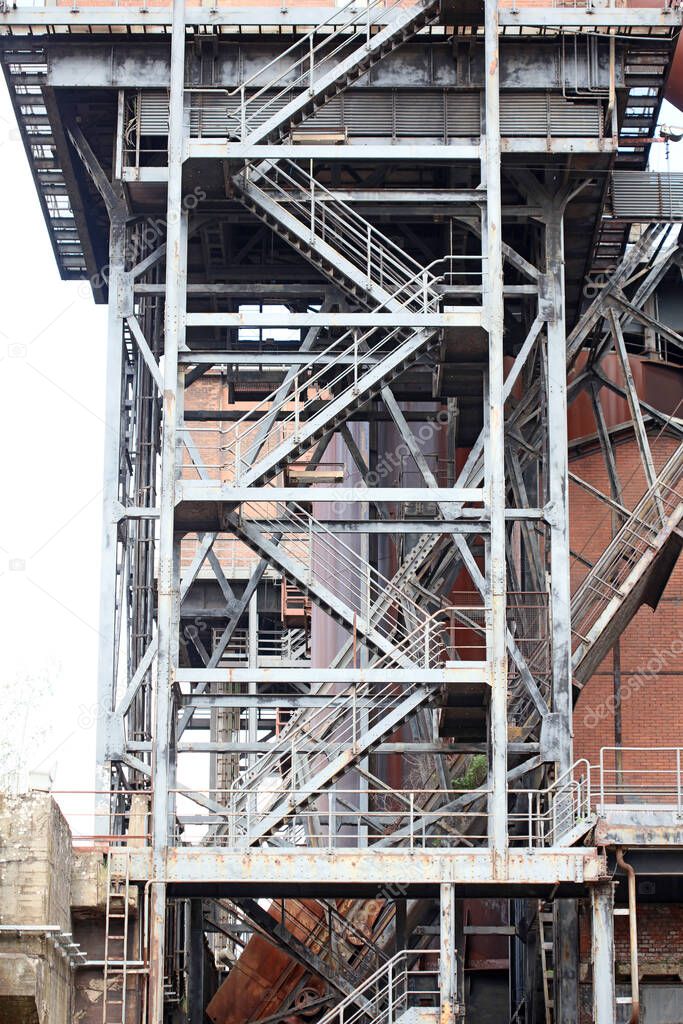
(604, 990)
(447, 957)
(109, 639)
(169, 579)
(495, 449)
(558, 487)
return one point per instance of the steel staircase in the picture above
(353, 720)
(352, 723)
(335, 238)
(321, 64)
(398, 991)
(375, 272)
(335, 576)
(645, 75)
(321, 399)
(613, 589)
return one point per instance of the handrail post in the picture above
(412, 821)
(679, 809)
(312, 208)
(332, 826)
(243, 118)
(296, 406)
(311, 64)
(390, 993)
(354, 715)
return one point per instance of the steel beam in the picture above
(558, 485)
(452, 672)
(107, 17)
(465, 316)
(267, 872)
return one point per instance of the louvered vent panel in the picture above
(369, 113)
(538, 113)
(646, 196)
(463, 113)
(152, 112)
(420, 112)
(387, 113)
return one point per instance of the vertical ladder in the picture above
(545, 941)
(116, 978)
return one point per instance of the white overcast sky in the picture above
(52, 359)
(52, 356)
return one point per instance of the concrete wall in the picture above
(35, 889)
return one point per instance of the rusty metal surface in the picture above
(486, 952)
(265, 976)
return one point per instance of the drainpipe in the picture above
(633, 935)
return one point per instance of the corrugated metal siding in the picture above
(647, 196)
(402, 113)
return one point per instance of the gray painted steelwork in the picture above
(379, 225)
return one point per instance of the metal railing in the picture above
(640, 778)
(552, 814)
(320, 558)
(637, 536)
(421, 818)
(349, 713)
(279, 645)
(302, 65)
(387, 994)
(329, 219)
(625, 779)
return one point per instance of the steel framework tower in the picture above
(385, 235)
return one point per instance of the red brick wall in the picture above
(651, 646)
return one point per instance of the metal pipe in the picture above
(633, 935)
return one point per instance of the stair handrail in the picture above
(311, 49)
(245, 428)
(363, 235)
(628, 537)
(301, 726)
(315, 537)
(387, 971)
(363, 348)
